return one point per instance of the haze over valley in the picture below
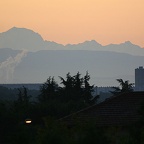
(26, 58)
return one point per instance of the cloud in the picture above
(7, 67)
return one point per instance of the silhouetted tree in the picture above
(23, 96)
(78, 81)
(20, 99)
(124, 86)
(77, 87)
(48, 90)
(68, 85)
(88, 89)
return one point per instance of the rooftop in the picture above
(118, 110)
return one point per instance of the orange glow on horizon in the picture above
(75, 21)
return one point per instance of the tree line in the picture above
(54, 101)
(75, 88)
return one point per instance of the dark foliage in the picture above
(56, 102)
(124, 87)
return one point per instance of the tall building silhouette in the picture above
(139, 79)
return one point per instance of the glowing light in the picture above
(28, 121)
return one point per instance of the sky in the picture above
(75, 21)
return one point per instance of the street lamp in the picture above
(28, 121)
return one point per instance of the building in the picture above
(139, 79)
(119, 110)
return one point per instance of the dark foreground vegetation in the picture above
(55, 102)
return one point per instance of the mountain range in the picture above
(26, 58)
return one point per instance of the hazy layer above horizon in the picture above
(26, 58)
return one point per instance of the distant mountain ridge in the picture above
(22, 38)
(26, 58)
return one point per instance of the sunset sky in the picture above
(75, 21)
